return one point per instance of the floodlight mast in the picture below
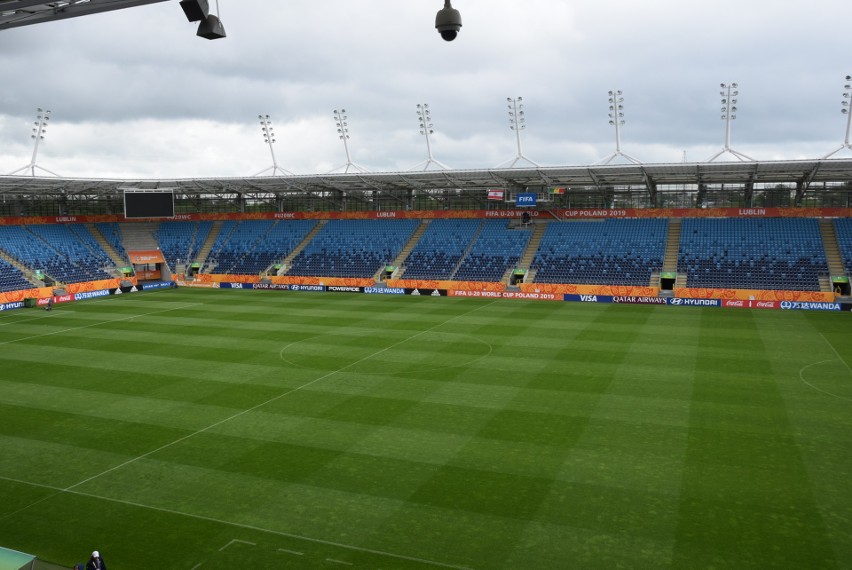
(425, 117)
(517, 123)
(269, 138)
(616, 118)
(846, 110)
(39, 130)
(729, 113)
(340, 120)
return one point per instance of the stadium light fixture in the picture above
(616, 118)
(517, 123)
(846, 109)
(39, 130)
(340, 121)
(269, 138)
(210, 26)
(424, 115)
(729, 93)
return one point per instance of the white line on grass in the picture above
(237, 540)
(28, 319)
(98, 324)
(240, 525)
(837, 354)
(293, 552)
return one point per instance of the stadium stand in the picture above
(112, 234)
(772, 253)
(496, 249)
(440, 249)
(65, 253)
(180, 241)
(607, 252)
(251, 246)
(353, 248)
(11, 278)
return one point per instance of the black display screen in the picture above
(158, 204)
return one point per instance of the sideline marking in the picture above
(28, 319)
(98, 324)
(239, 525)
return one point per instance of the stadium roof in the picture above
(16, 13)
(802, 174)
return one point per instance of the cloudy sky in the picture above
(134, 93)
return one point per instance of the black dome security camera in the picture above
(448, 22)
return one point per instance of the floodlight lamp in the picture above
(734, 85)
(211, 28)
(722, 85)
(844, 111)
(520, 98)
(849, 78)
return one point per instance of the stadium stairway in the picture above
(529, 253)
(106, 246)
(208, 243)
(139, 236)
(670, 257)
(298, 249)
(403, 255)
(832, 254)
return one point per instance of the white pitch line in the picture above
(242, 525)
(237, 540)
(29, 319)
(294, 552)
(837, 354)
(335, 561)
(98, 324)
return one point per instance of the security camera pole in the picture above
(729, 110)
(39, 130)
(847, 94)
(343, 133)
(616, 118)
(517, 123)
(269, 138)
(425, 116)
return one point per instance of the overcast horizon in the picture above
(135, 94)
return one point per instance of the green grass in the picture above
(204, 429)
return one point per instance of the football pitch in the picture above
(207, 429)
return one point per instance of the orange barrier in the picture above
(755, 295)
(447, 285)
(612, 290)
